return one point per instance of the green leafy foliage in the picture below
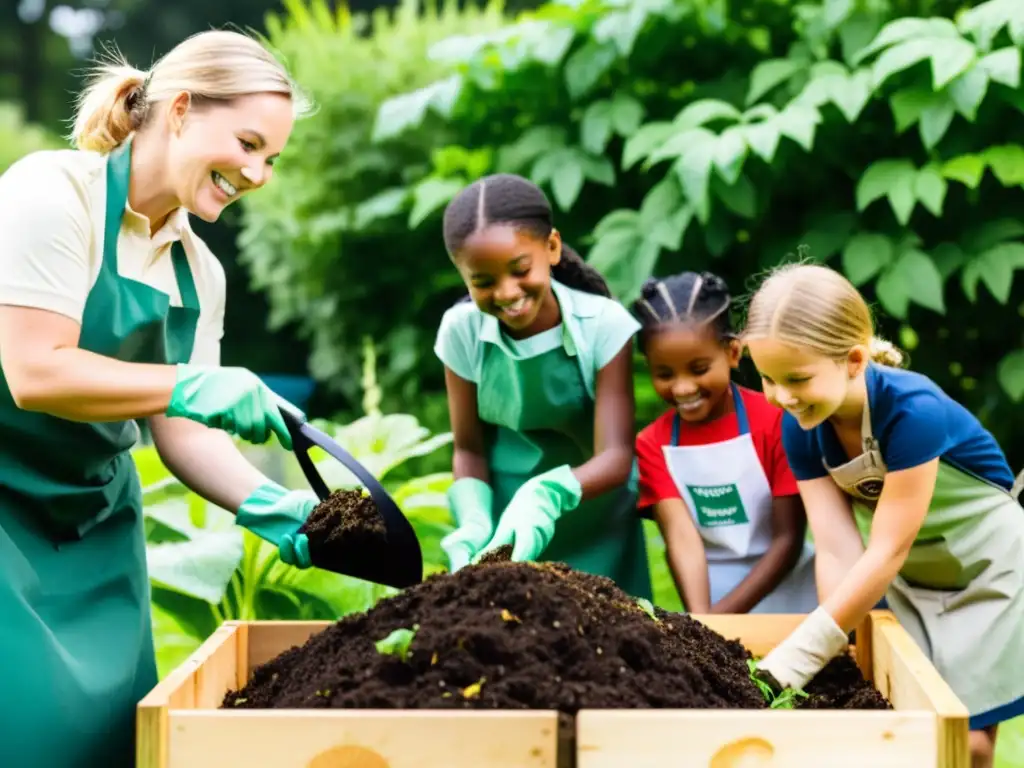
(321, 239)
(876, 133)
(397, 643)
(785, 700)
(18, 138)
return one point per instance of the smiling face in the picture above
(812, 387)
(508, 273)
(691, 369)
(218, 152)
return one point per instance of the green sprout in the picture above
(397, 643)
(785, 700)
(647, 607)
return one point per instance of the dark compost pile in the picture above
(346, 525)
(506, 635)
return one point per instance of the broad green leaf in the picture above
(567, 181)
(769, 74)
(621, 27)
(399, 113)
(905, 29)
(908, 105)
(200, 568)
(827, 234)
(984, 21)
(621, 219)
(967, 169)
(948, 258)
(1007, 163)
(641, 263)
(586, 66)
(664, 199)
(893, 292)
(740, 197)
(991, 233)
(968, 91)
(596, 126)
(1010, 373)
(798, 123)
(949, 58)
(730, 152)
(935, 121)
(762, 138)
(683, 143)
(613, 255)
(1003, 66)
(994, 267)
(852, 96)
(923, 275)
(857, 32)
(889, 178)
(930, 189)
(381, 206)
(705, 111)
(645, 141)
(694, 171)
(668, 233)
(597, 169)
(430, 195)
(865, 256)
(534, 142)
(627, 114)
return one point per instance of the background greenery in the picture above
(883, 135)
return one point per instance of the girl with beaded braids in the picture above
(713, 473)
(540, 390)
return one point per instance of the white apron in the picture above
(960, 593)
(730, 499)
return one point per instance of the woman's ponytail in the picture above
(886, 353)
(111, 108)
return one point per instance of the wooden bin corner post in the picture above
(904, 675)
(200, 681)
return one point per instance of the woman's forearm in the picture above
(467, 463)
(768, 572)
(207, 461)
(77, 385)
(607, 470)
(864, 585)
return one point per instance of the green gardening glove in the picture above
(275, 514)
(232, 399)
(528, 522)
(470, 501)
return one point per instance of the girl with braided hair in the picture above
(538, 367)
(713, 472)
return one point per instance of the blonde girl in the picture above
(112, 310)
(907, 495)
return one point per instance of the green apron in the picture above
(533, 395)
(960, 593)
(76, 638)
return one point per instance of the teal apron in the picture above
(960, 593)
(533, 395)
(75, 628)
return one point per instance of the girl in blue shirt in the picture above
(941, 528)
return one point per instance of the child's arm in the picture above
(788, 526)
(470, 457)
(837, 541)
(614, 413)
(685, 554)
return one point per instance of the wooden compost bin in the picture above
(180, 725)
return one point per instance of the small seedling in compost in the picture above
(647, 607)
(397, 643)
(785, 700)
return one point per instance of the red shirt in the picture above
(656, 484)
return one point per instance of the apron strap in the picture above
(738, 406)
(119, 167)
(183, 274)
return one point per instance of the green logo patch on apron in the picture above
(718, 505)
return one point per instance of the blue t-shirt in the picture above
(913, 421)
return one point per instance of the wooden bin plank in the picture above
(364, 739)
(269, 639)
(759, 632)
(909, 680)
(755, 739)
(176, 691)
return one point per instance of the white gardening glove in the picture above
(804, 653)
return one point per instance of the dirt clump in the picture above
(508, 635)
(502, 554)
(346, 525)
(840, 685)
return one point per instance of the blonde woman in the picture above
(111, 310)
(941, 525)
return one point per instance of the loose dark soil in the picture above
(344, 526)
(500, 555)
(524, 636)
